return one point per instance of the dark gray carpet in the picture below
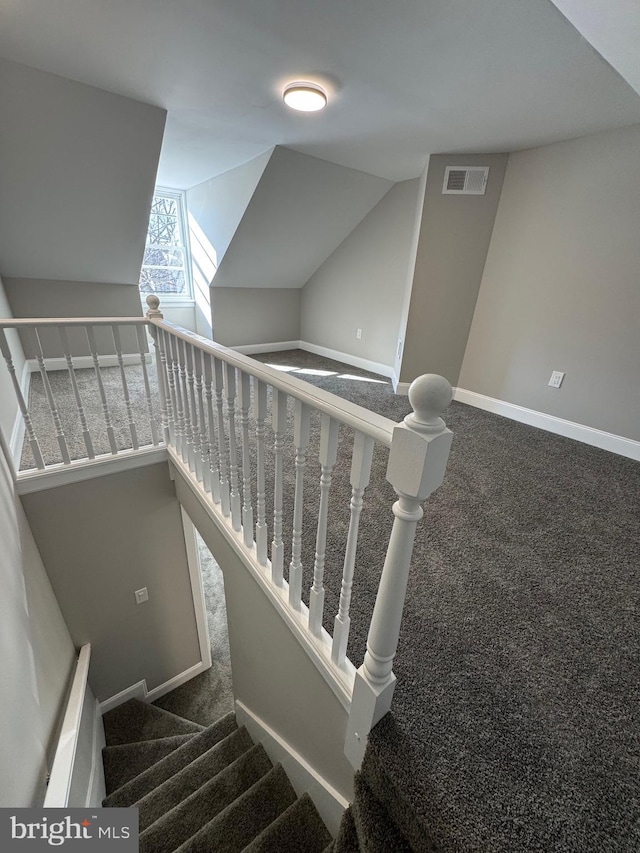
(225, 798)
(516, 721)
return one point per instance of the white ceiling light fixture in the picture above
(305, 97)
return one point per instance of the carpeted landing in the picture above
(204, 788)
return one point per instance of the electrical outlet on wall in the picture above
(358, 333)
(141, 595)
(556, 379)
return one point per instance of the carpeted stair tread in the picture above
(376, 831)
(299, 828)
(188, 779)
(182, 821)
(146, 781)
(330, 848)
(347, 840)
(136, 721)
(235, 827)
(127, 760)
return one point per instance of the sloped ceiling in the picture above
(301, 210)
(404, 80)
(612, 27)
(77, 170)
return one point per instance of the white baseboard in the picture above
(83, 361)
(347, 358)
(249, 349)
(586, 434)
(402, 388)
(140, 691)
(96, 789)
(304, 779)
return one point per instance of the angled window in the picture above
(166, 266)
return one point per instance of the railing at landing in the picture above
(213, 413)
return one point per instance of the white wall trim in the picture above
(81, 362)
(96, 789)
(86, 469)
(197, 588)
(402, 388)
(304, 779)
(580, 432)
(139, 690)
(59, 788)
(17, 433)
(347, 358)
(249, 349)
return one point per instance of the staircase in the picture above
(203, 789)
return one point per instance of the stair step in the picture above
(298, 828)
(162, 770)
(187, 780)
(376, 831)
(136, 721)
(127, 760)
(235, 827)
(330, 848)
(184, 820)
(347, 840)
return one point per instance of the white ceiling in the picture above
(405, 79)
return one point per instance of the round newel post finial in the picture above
(154, 305)
(429, 396)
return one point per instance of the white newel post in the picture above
(417, 462)
(153, 310)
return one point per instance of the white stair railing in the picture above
(223, 418)
(419, 450)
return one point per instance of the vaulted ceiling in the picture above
(404, 79)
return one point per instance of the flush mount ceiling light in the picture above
(305, 97)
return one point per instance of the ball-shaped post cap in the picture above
(429, 396)
(153, 302)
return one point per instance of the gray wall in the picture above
(102, 540)
(362, 284)
(560, 288)
(272, 673)
(255, 315)
(77, 173)
(8, 403)
(37, 658)
(453, 244)
(217, 205)
(301, 210)
(46, 298)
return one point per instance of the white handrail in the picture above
(370, 423)
(28, 322)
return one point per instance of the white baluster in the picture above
(279, 424)
(62, 442)
(24, 409)
(218, 385)
(93, 349)
(140, 333)
(328, 455)
(204, 441)
(125, 387)
(260, 399)
(214, 459)
(230, 386)
(176, 391)
(166, 410)
(189, 449)
(173, 414)
(64, 340)
(417, 462)
(301, 444)
(360, 473)
(247, 507)
(195, 425)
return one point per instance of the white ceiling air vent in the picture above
(465, 180)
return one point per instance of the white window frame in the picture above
(176, 300)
